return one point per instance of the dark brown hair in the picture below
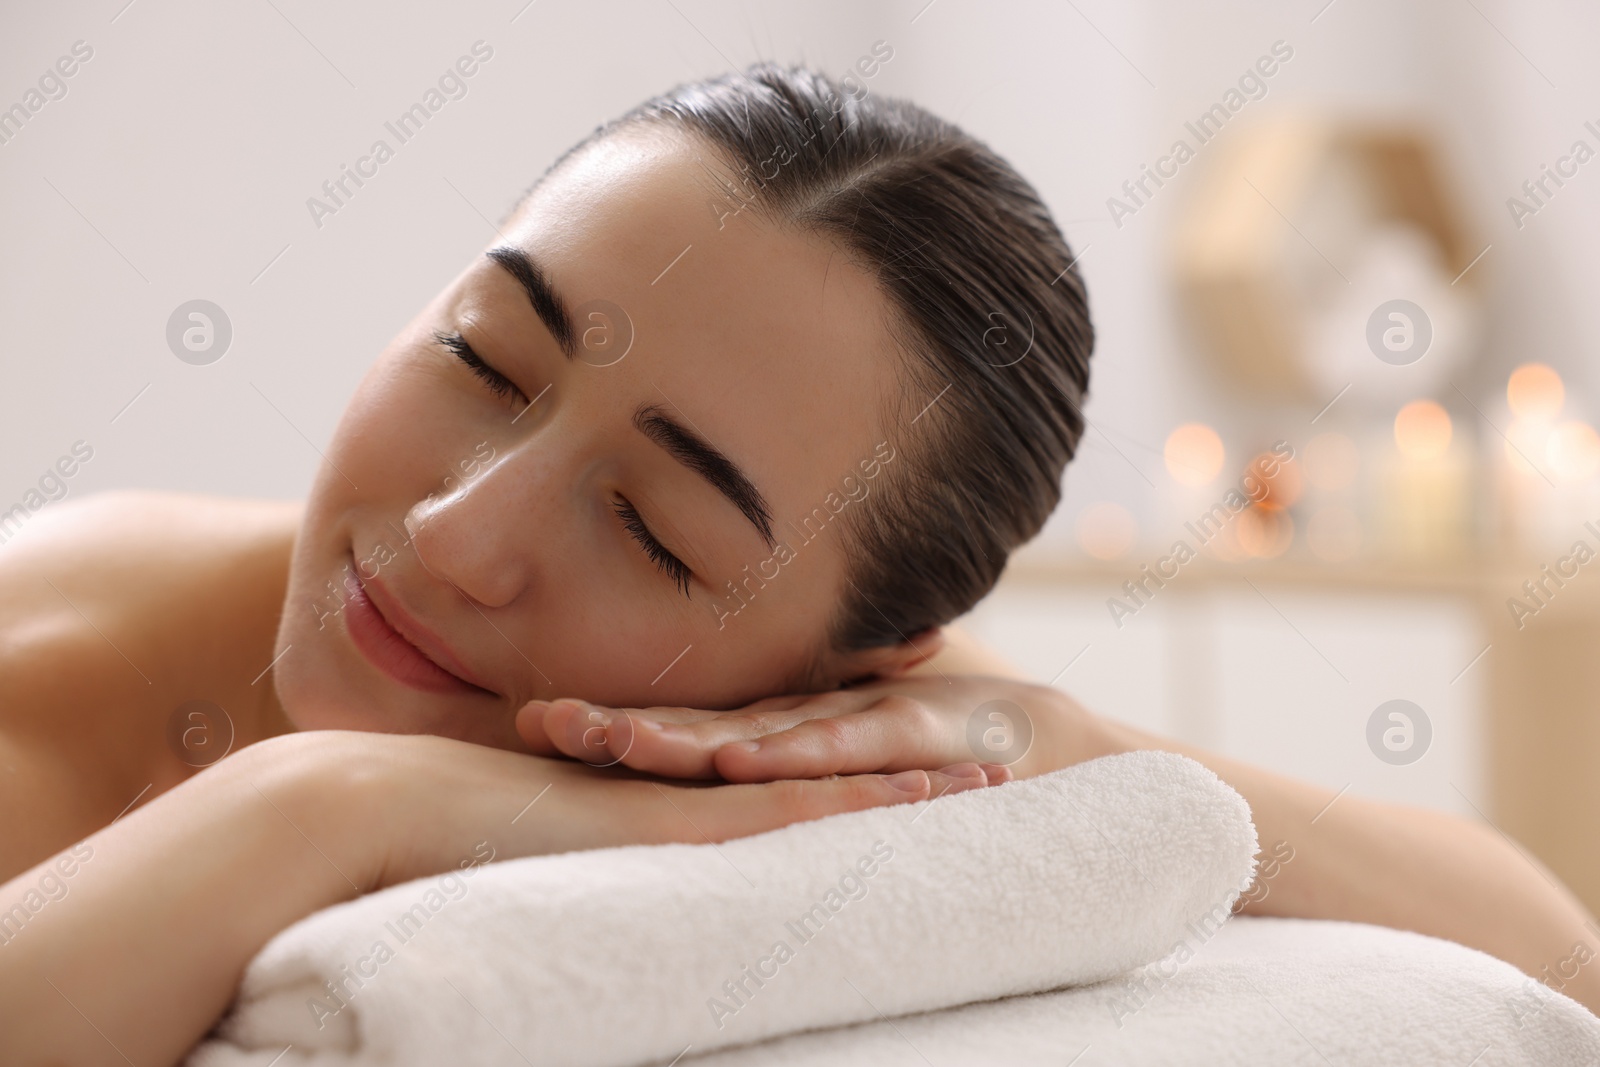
(990, 313)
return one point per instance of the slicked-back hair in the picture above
(990, 313)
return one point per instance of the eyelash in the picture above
(501, 386)
(669, 564)
(497, 383)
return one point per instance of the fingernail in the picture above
(588, 712)
(910, 781)
(996, 773)
(648, 724)
(746, 746)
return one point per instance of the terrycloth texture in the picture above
(1262, 991)
(629, 956)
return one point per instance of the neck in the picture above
(270, 718)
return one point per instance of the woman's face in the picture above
(669, 396)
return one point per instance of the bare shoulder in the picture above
(135, 562)
(116, 608)
(90, 529)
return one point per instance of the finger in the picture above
(893, 734)
(584, 732)
(676, 714)
(686, 749)
(681, 750)
(998, 773)
(530, 727)
(569, 728)
(729, 811)
(606, 737)
(547, 727)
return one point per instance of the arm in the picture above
(1408, 868)
(1359, 860)
(1365, 861)
(164, 908)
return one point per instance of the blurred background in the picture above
(1338, 507)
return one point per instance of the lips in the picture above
(394, 642)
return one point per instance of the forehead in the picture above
(770, 340)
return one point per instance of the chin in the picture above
(307, 705)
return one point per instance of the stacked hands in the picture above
(898, 740)
(875, 729)
(594, 777)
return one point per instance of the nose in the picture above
(474, 532)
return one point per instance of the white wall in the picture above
(190, 143)
(179, 163)
(1279, 678)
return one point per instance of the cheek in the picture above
(396, 441)
(383, 456)
(608, 637)
(612, 636)
(747, 644)
(405, 415)
(312, 680)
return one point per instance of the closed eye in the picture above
(497, 383)
(669, 564)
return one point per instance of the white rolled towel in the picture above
(624, 956)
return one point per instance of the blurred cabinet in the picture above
(1285, 666)
(1544, 735)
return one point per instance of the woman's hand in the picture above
(1014, 728)
(439, 800)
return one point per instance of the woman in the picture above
(753, 394)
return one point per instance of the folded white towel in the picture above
(625, 956)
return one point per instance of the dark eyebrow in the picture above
(547, 303)
(702, 457)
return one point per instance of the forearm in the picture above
(1408, 868)
(1357, 859)
(144, 951)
